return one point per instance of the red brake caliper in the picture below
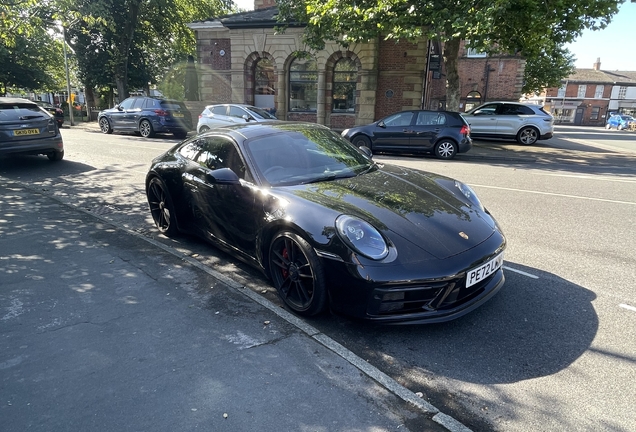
(284, 271)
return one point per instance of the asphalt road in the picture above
(554, 350)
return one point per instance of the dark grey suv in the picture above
(442, 133)
(26, 128)
(147, 115)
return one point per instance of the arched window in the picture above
(473, 99)
(303, 85)
(264, 84)
(345, 76)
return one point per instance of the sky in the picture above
(613, 45)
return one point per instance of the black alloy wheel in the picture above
(297, 274)
(161, 207)
(104, 125)
(527, 136)
(145, 129)
(445, 149)
(203, 129)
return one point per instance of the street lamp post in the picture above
(68, 79)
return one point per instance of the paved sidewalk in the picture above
(104, 330)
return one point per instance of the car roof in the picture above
(12, 100)
(251, 130)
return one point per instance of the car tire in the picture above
(527, 136)
(203, 129)
(180, 134)
(361, 140)
(161, 207)
(145, 129)
(445, 149)
(619, 127)
(607, 126)
(297, 274)
(105, 126)
(56, 155)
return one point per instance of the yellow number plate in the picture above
(22, 132)
(177, 115)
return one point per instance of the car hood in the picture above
(406, 206)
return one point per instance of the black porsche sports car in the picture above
(329, 226)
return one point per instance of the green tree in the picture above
(531, 28)
(30, 53)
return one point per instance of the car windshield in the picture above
(20, 111)
(300, 155)
(260, 113)
(171, 105)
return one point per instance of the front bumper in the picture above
(421, 292)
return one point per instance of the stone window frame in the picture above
(250, 72)
(329, 79)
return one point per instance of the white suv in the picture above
(510, 120)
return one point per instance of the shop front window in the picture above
(303, 85)
(345, 77)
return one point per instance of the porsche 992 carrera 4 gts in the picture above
(330, 227)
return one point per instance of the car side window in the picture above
(510, 109)
(139, 103)
(217, 153)
(127, 104)
(486, 110)
(219, 110)
(399, 119)
(430, 118)
(237, 112)
(190, 150)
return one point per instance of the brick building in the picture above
(242, 59)
(482, 78)
(588, 95)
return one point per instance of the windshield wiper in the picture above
(329, 177)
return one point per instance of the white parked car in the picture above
(214, 116)
(524, 123)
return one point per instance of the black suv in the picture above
(25, 128)
(147, 115)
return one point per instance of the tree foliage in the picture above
(534, 29)
(30, 54)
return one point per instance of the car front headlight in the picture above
(361, 237)
(470, 194)
(344, 132)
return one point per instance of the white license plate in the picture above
(483, 271)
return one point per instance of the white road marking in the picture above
(555, 194)
(628, 307)
(587, 177)
(521, 272)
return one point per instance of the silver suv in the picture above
(524, 123)
(230, 114)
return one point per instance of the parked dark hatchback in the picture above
(442, 133)
(328, 225)
(54, 111)
(147, 115)
(25, 128)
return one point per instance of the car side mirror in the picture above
(367, 151)
(223, 176)
(119, 108)
(246, 117)
(381, 124)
